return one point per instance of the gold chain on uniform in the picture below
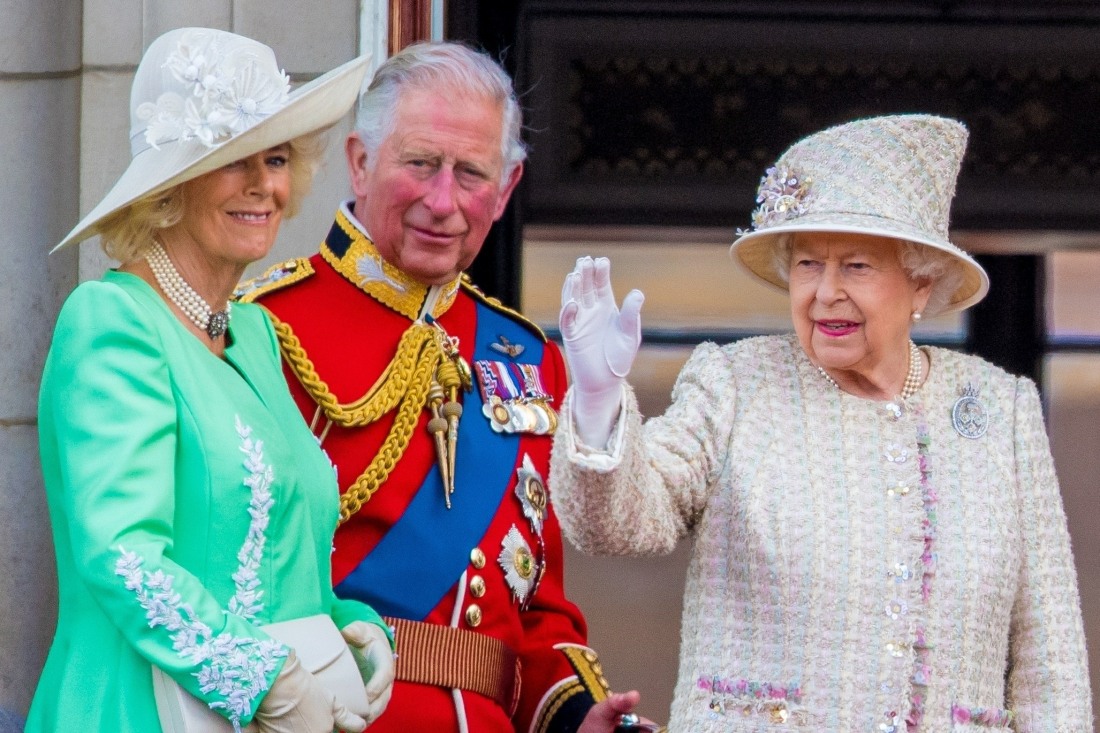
(404, 384)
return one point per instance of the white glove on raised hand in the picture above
(296, 703)
(600, 345)
(372, 652)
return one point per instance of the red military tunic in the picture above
(342, 315)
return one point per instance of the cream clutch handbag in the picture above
(320, 649)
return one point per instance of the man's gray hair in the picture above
(443, 67)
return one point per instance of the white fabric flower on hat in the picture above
(198, 67)
(227, 93)
(250, 97)
(198, 122)
(164, 119)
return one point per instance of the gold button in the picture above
(477, 558)
(589, 655)
(477, 586)
(473, 614)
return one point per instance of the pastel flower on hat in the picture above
(891, 176)
(780, 196)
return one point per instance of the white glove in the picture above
(600, 345)
(296, 703)
(372, 652)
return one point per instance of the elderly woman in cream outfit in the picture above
(880, 544)
(192, 509)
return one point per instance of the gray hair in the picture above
(919, 261)
(429, 66)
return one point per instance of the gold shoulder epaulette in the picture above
(589, 671)
(495, 304)
(276, 277)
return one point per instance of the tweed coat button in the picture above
(897, 490)
(895, 453)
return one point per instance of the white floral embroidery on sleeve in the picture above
(246, 600)
(236, 668)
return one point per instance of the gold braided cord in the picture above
(400, 435)
(404, 384)
(447, 375)
(419, 346)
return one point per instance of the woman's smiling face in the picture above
(852, 300)
(232, 214)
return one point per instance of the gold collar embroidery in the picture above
(365, 268)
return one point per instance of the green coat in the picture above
(190, 505)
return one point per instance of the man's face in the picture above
(434, 190)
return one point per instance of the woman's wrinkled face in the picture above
(232, 214)
(851, 300)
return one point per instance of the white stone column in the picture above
(39, 157)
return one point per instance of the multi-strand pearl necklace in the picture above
(184, 296)
(912, 377)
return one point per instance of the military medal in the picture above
(531, 492)
(495, 410)
(492, 403)
(969, 416)
(523, 418)
(542, 420)
(538, 399)
(521, 570)
(513, 398)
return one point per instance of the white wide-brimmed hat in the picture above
(203, 98)
(891, 176)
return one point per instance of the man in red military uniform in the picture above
(437, 406)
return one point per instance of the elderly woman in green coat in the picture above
(191, 506)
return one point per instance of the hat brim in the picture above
(311, 107)
(754, 251)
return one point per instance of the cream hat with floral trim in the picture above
(891, 176)
(203, 98)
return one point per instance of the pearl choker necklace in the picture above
(912, 377)
(184, 296)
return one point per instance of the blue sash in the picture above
(427, 549)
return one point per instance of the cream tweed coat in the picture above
(858, 565)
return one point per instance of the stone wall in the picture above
(65, 74)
